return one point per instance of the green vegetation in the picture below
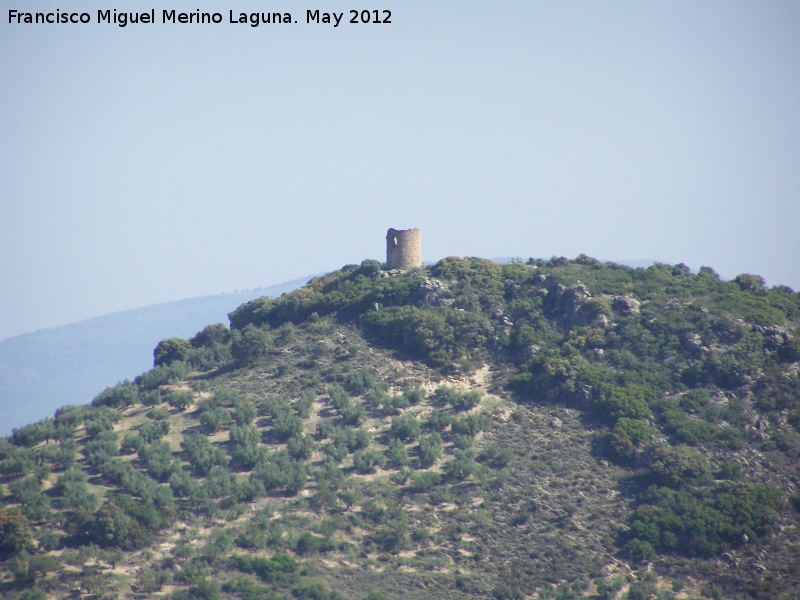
(467, 430)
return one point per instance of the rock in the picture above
(529, 352)
(625, 305)
(575, 306)
(435, 292)
(555, 422)
(692, 340)
(586, 391)
(510, 287)
(776, 337)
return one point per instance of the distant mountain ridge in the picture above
(49, 368)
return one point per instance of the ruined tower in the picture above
(403, 248)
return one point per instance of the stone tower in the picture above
(403, 248)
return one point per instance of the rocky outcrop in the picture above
(775, 336)
(625, 305)
(434, 291)
(575, 306)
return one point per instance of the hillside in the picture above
(554, 429)
(43, 370)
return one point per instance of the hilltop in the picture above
(553, 429)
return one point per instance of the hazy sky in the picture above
(159, 162)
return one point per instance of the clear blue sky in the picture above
(160, 162)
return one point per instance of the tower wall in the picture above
(403, 248)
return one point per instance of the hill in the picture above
(43, 370)
(554, 429)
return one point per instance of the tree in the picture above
(244, 412)
(32, 434)
(359, 382)
(340, 400)
(397, 453)
(460, 467)
(245, 450)
(212, 419)
(253, 312)
(210, 335)
(300, 446)
(366, 460)
(180, 399)
(15, 531)
(171, 350)
(250, 344)
(405, 427)
(467, 400)
(202, 454)
(677, 465)
(157, 458)
(790, 351)
(749, 282)
(34, 503)
(430, 449)
(74, 491)
(119, 396)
